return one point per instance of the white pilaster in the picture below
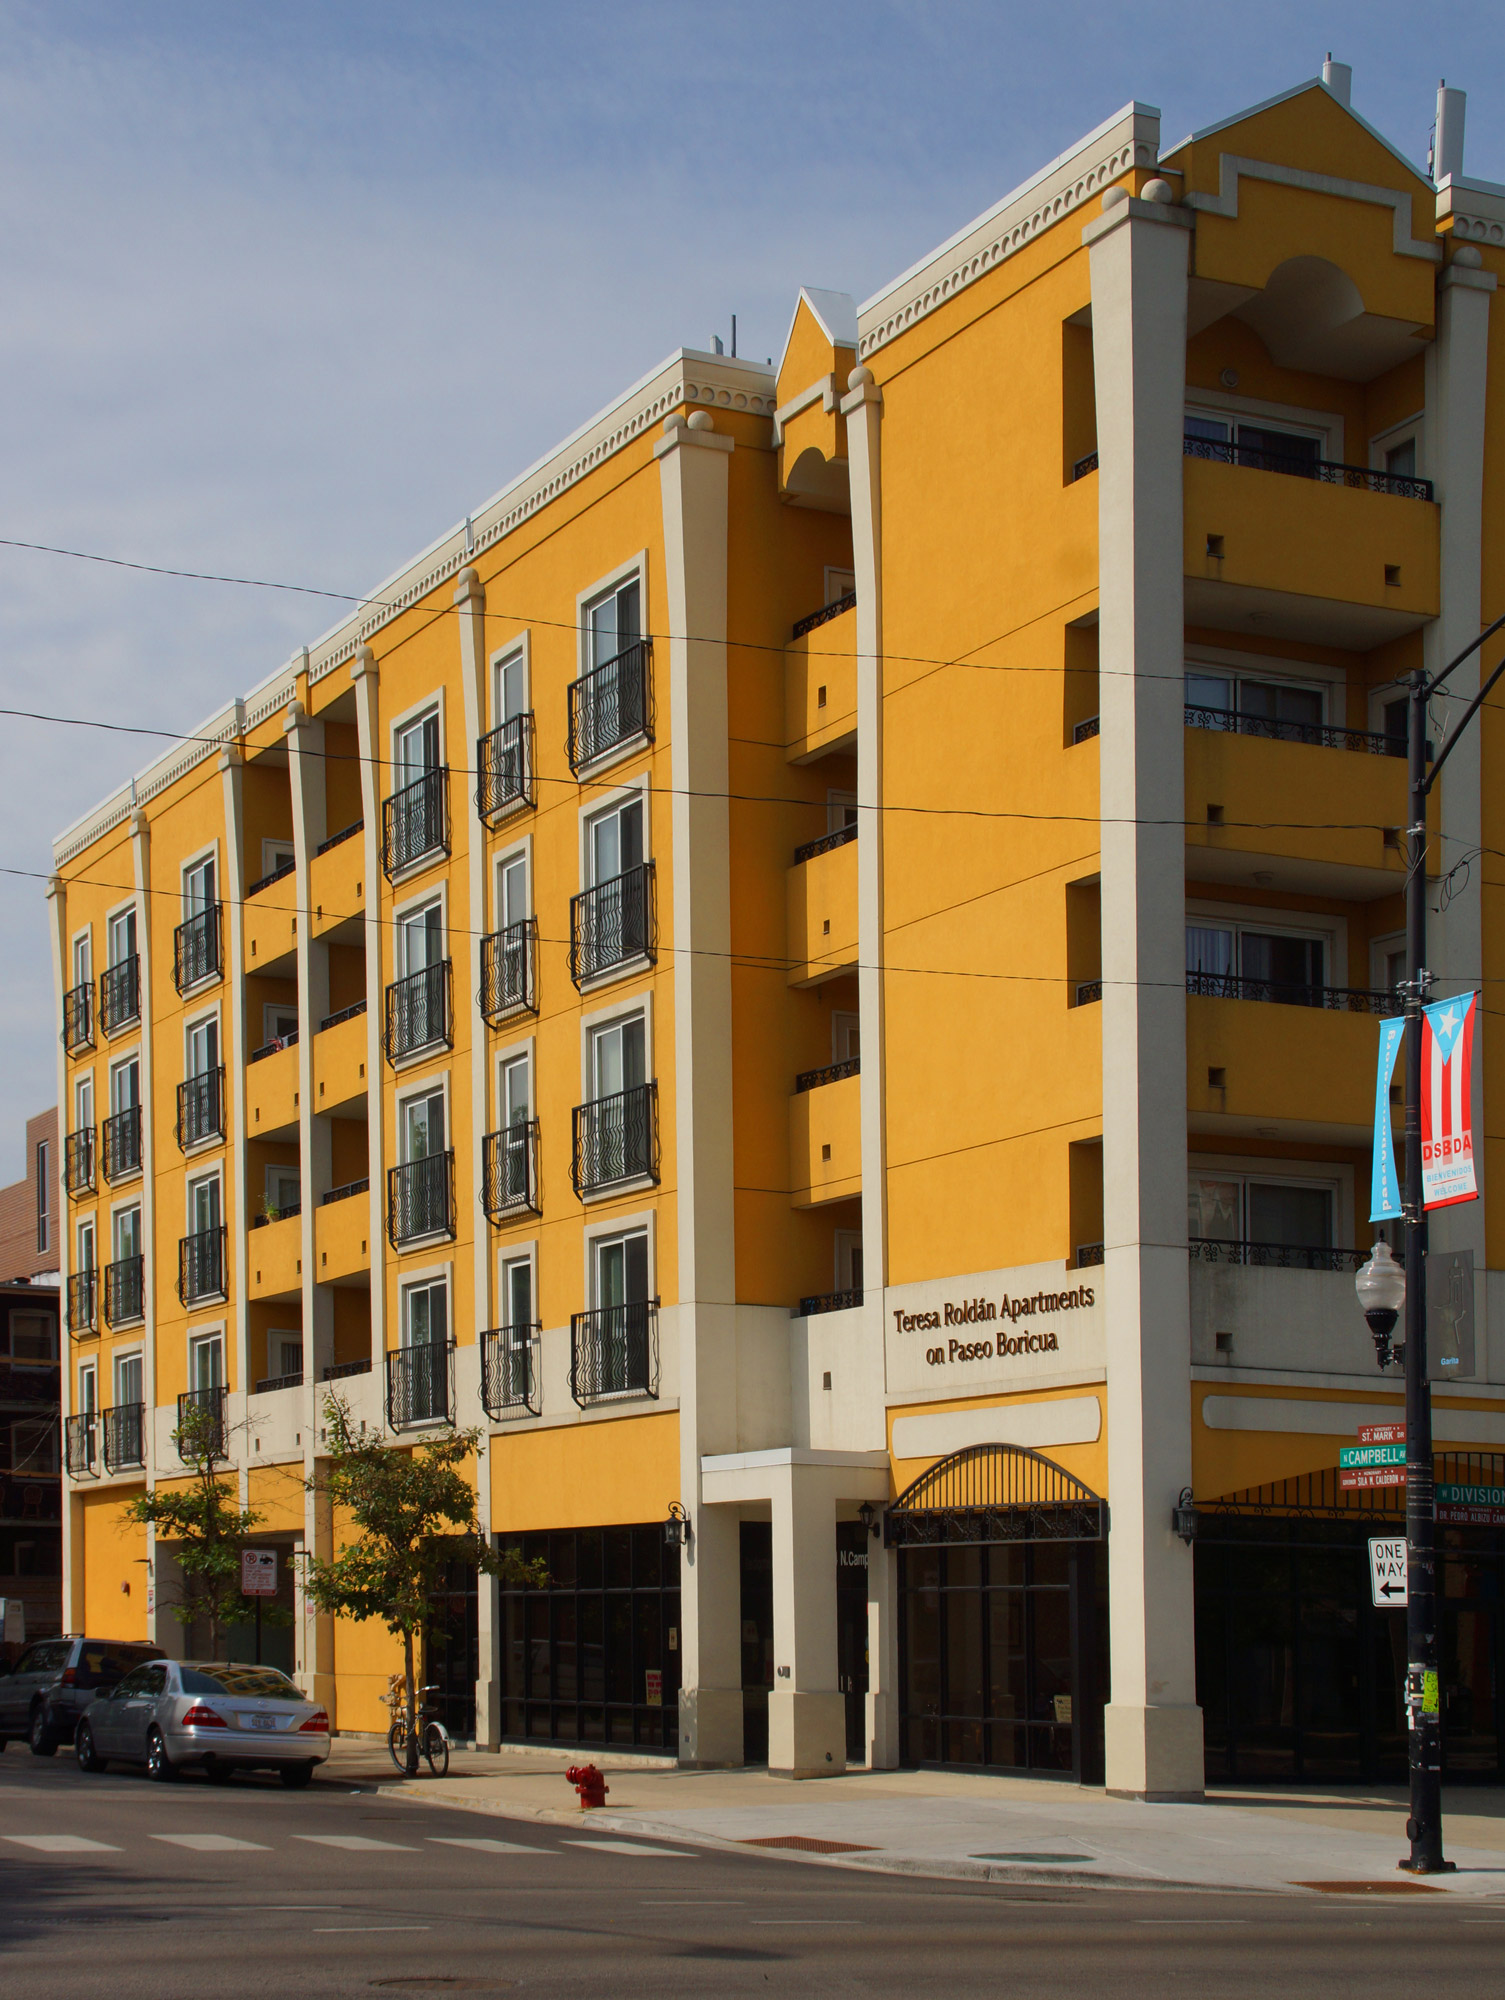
(233, 1053)
(363, 673)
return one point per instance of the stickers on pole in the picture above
(1384, 1196)
(1388, 1576)
(1447, 1133)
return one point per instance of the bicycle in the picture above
(433, 1738)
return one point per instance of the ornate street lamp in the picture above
(677, 1527)
(1381, 1286)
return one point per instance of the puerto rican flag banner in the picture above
(1447, 1066)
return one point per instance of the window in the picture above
(848, 1260)
(203, 1205)
(122, 936)
(517, 1293)
(279, 1024)
(613, 1345)
(206, 1363)
(125, 1086)
(1247, 1209)
(277, 855)
(1230, 961)
(615, 622)
(423, 1126)
(121, 1135)
(511, 698)
(129, 1379)
(198, 888)
(28, 1445)
(415, 819)
(611, 919)
(203, 1047)
(33, 1337)
(1388, 962)
(846, 1037)
(1210, 698)
(509, 1152)
(619, 1057)
(841, 811)
(88, 1389)
(609, 703)
(515, 1096)
(425, 1314)
(126, 1232)
(44, 1189)
(614, 842)
(417, 750)
(284, 1353)
(1400, 459)
(83, 958)
(1265, 447)
(83, 1104)
(420, 940)
(512, 891)
(283, 1190)
(86, 1245)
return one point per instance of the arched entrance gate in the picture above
(1002, 1615)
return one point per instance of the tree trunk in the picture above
(407, 1655)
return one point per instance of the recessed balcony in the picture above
(820, 683)
(821, 904)
(825, 1136)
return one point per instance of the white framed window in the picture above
(88, 1388)
(614, 620)
(618, 1056)
(416, 749)
(425, 1313)
(284, 1352)
(1259, 697)
(509, 685)
(1398, 450)
(1387, 962)
(619, 1269)
(1277, 1210)
(276, 854)
(517, 1297)
(83, 1102)
(199, 886)
(841, 811)
(283, 1189)
(125, 1085)
(279, 1023)
(420, 938)
(83, 958)
(614, 843)
(206, 1361)
(130, 1378)
(125, 1233)
(839, 583)
(422, 1125)
(201, 1043)
(849, 1260)
(1253, 439)
(514, 902)
(846, 1037)
(515, 1089)
(204, 1204)
(1292, 964)
(84, 1249)
(120, 935)
(44, 1194)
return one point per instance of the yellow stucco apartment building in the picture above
(817, 961)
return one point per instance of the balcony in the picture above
(420, 1384)
(415, 823)
(271, 1085)
(337, 881)
(1289, 993)
(1326, 471)
(274, 1254)
(125, 1290)
(120, 1144)
(196, 949)
(821, 899)
(826, 1302)
(509, 1181)
(421, 1199)
(125, 1436)
(120, 994)
(1261, 1305)
(340, 1050)
(616, 1140)
(78, 1162)
(613, 925)
(508, 975)
(418, 1012)
(825, 1136)
(611, 706)
(1308, 1062)
(81, 1445)
(270, 1385)
(270, 930)
(201, 1267)
(504, 769)
(78, 1017)
(83, 1301)
(274, 1047)
(278, 874)
(342, 1232)
(614, 1352)
(509, 1370)
(201, 1424)
(201, 1108)
(820, 683)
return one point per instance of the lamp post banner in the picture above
(1384, 1198)
(1447, 1137)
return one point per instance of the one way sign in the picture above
(1387, 1572)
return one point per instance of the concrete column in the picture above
(233, 1054)
(141, 855)
(694, 462)
(807, 1712)
(364, 674)
(882, 1657)
(1138, 252)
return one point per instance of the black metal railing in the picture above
(421, 1198)
(81, 1443)
(201, 1108)
(78, 1016)
(201, 1266)
(278, 874)
(1088, 1254)
(345, 833)
(270, 1384)
(125, 1289)
(1084, 465)
(826, 843)
(125, 1436)
(415, 822)
(508, 970)
(78, 1161)
(285, 1213)
(83, 1300)
(1324, 735)
(1292, 993)
(1087, 729)
(616, 1139)
(611, 704)
(418, 1011)
(274, 1047)
(827, 1302)
(614, 1352)
(345, 1191)
(1326, 470)
(1089, 992)
(341, 1371)
(509, 1181)
(1274, 1256)
(504, 768)
(509, 1369)
(120, 1143)
(813, 1079)
(419, 1385)
(120, 993)
(342, 1014)
(825, 614)
(201, 1424)
(196, 949)
(612, 923)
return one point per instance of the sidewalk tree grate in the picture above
(1371, 1888)
(807, 1844)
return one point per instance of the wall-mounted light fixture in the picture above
(1184, 1517)
(870, 1516)
(677, 1527)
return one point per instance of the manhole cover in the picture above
(808, 1845)
(1070, 1859)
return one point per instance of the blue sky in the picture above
(288, 289)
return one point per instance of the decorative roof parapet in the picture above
(1476, 209)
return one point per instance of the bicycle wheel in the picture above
(397, 1743)
(436, 1748)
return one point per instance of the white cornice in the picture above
(1129, 139)
(1477, 209)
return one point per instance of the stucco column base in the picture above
(710, 1729)
(488, 1715)
(324, 1689)
(807, 1734)
(1153, 1753)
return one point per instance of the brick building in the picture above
(29, 1207)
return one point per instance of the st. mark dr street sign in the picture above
(1387, 1571)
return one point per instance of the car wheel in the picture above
(158, 1764)
(296, 1776)
(40, 1737)
(88, 1757)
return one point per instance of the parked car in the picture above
(171, 1715)
(55, 1680)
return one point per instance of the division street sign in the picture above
(1372, 1454)
(1471, 1506)
(1387, 1571)
(1381, 1434)
(1357, 1478)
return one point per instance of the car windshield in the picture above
(262, 1681)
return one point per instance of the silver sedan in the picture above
(174, 1714)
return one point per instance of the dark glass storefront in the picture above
(452, 1663)
(593, 1657)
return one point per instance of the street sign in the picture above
(258, 1572)
(1358, 1478)
(1450, 1315)
(1372, 1454)
(1471, 1506)
(1387, 1572)
(1381, 1434)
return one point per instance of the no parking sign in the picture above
(258, 1572)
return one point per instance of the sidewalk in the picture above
(940, 1823)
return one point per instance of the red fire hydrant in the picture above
(589, 1783)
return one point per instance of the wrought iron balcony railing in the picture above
(418, 1011)
(1274, 1256)
(814, 1079)
(1089, 992)
(611, 704)
(826, 843)
(83, 1300)
(341, 1371)
(201, 1108)
(614, 1352)
(196, 949)
(825, 614)
(1088, 1254)
(78, 1161)
(1088, 728)
(613, 924)
(277, 874)
(415, 822)
(1328, 471)
(274, 1047)
(337, 839)
(342, 1014)
(125, 1290)
(201, 1424)
(827, 1302)
(201, 1266)
(125, 1436)
(120, 1144)
(616, 1139)
(1323, 735)
(509, 1181)
(81, 1443)
(509, 1369)
(78, 1016)
(420, 1385)
(421, 1198)
(504, 768)
(270, 1384)
(345, 1190)
(1292, 993)
(120, 993)
(509, 960)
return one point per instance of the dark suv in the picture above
(55, 1680)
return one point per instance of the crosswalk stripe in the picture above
(210, 1843)
(629, 1847)
(356, 1842)
(485, 1846)
(61, 1843)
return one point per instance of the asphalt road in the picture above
(116, 1887)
